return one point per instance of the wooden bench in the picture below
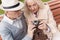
(55, 8)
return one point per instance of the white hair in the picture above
(27, 11)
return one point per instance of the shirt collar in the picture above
(6, 19)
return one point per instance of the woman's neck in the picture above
(35, 14)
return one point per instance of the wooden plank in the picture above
(55, 8)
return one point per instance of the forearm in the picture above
(53, 28)
(51, 22)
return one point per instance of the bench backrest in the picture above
(55, 8)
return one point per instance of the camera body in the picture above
(36, 22)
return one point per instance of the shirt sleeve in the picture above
(5, 34)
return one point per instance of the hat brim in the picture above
(13, 9)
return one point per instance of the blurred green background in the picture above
(1, 11)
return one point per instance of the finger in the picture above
(41, 24)
(33, 29)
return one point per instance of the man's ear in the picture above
(6, 11)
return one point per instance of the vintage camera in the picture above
(36, 23)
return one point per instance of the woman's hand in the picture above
(30, 28)
(42, 25)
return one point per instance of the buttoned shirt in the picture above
(16, 23)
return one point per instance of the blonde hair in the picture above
(26, 10)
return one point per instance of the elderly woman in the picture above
(37, 10)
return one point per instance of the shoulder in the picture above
(46, 6)
(3, 26)
(23, 17)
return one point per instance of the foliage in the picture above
(0, 1)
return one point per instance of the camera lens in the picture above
(35, 22)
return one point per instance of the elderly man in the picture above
(13, 25)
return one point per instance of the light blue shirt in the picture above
(5, 32)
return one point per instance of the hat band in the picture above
(12, 6)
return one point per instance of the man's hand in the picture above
(0, 37)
